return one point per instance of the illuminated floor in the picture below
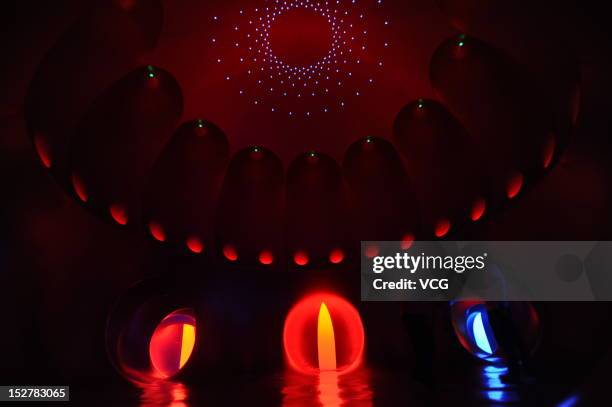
(361, 388)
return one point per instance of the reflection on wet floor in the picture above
(328, 389)
(164, 393)
(483, 385)
(496, 386)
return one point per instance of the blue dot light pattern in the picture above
(244, 47)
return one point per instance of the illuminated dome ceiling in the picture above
(274, 131)
(295, 76)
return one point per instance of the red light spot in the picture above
(230, 252)
(119, 214)
(79, 187)
(266, 257)
(42, 149)
(442, 227)
(300, 258)
(407, 241)
(157, 231)
(336, 256)
(478, 209)
(549, 152)
(514, 185)
(195, 244)
(371, 251)
(304, 339)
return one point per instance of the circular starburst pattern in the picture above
(273, 80)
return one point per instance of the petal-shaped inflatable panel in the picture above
(385, 208)
(443, 164)
(119, 139)
(501, 107)
(183, 189)
(86, 60)
(250, 214)
(316, 219)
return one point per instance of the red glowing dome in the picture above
(323, 332)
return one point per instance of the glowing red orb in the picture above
(323, 332)
(172, 343)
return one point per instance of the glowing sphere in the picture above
(323, 332)
(149, 337)
(172, 343)
(494, 331)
